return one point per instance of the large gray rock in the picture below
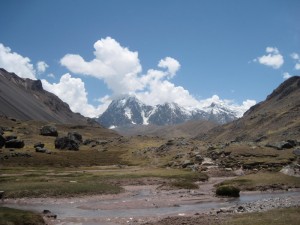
(49, 131)
(75, 136)
(281, 145)
(70, 142)
(14, 143)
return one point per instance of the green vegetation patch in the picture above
(10, 216)
(58, 189)
(263, 181)
(275, 217)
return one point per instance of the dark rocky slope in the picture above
(25, 99)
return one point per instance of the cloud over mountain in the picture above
(121, 71)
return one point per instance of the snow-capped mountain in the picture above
(130, 111)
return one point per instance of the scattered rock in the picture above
(207, 162)
(49, 131)
(14, 143)
(199, 158)
(1, 194)
(283, 144)
(40, 149)
(49, 214)
(2, 141)
(39, 144)
(225, 210)
(297, 152)
(187, 163)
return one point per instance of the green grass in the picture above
(264, 181)
(57, 189)
(61, 182)
(10, 216)
(290, 216)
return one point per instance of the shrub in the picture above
(227, 190)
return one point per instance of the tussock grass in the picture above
(57, 189)
(10, 216)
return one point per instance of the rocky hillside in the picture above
(25, 99)
(128, 111)
(277, 118)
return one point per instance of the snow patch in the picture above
(128, 113)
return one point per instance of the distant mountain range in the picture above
(129, 110)
(25, 99)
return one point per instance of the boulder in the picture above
(2, 141)
(14, 143)
(49, 131)
(39, 144)
(280, 145)
(75, 137)
(297, 152)
(66, 143)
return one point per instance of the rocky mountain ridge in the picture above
(276, 118)
(131, 111)
(25, 99)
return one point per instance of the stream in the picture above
(143, 203)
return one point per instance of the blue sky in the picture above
(185, 51)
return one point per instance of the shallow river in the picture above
(96, 209)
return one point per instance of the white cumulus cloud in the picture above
(117, 66)
(16, 63)
(41, 66)
(296, 57)
(172, 65)
(273, 59)
(286, 75)
(72, 91)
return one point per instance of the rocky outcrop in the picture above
(49, 131)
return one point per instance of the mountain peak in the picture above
(129, 110)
